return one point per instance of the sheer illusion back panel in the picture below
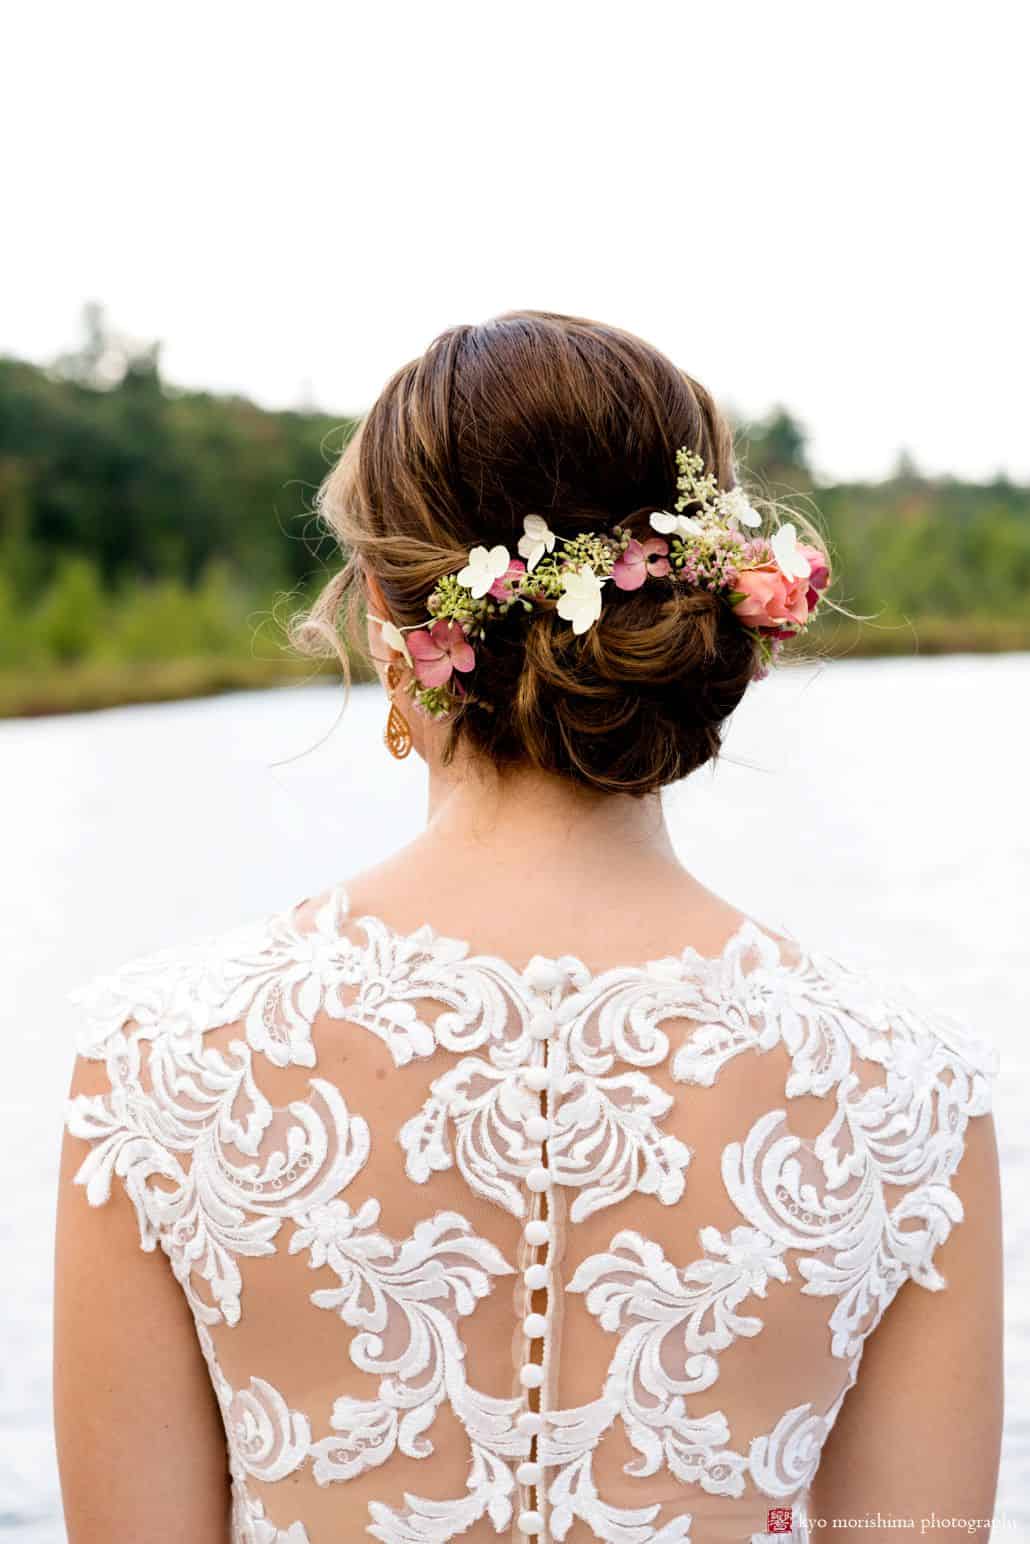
(477, 1251)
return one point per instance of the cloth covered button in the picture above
(535, 1325)
(528, 1473)
(535, 1276)
(538, 1128)
(536, 1232)
(541, 1024)
(538, 1178)
(543, 975)
(531, 1376)
(529, 1423)
(530, 1522)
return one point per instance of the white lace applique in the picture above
(605, 1140)
(551, 1104)
(907, 1132)
(215, 1209)
(383, 1294)
(251, 1526)
(635, 1292)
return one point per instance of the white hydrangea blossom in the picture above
(483, 568)
(538, 539)
(580, 602)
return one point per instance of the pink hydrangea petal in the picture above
(462, 656)
(630, 570)
(433, 672)
(502, 588)
(820, 572)
(423, 645)
(439, 651)
(452, 645)
(431, 664)
(442, 633)
(456, 646)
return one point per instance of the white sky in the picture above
(823, 204)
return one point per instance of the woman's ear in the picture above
(376, 613)
(376, 601)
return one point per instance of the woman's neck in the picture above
(523, 857)
(526, 818)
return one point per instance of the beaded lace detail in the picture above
(597, 1173)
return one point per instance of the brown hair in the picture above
(537, 413)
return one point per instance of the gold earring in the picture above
(397, 735)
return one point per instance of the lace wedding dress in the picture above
(479, 1252)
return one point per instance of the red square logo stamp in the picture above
(778, 1520)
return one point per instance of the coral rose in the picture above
(769, 599)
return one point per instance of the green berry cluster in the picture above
(696, 486)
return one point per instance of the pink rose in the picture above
(770, 599)
(819, 576)
(503, 588)
(640, 559)
(438, 651)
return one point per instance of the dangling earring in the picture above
(397, 735)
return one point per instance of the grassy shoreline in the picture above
(87, 686)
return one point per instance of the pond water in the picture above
(874, 808)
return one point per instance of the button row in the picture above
(538, 1234)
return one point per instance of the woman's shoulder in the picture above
(887, 1014)
(204, 980)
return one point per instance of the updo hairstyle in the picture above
(537, 413)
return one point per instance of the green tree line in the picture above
(141, 523)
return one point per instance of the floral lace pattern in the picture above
(552, 1106)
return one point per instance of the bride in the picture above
(521, 1186)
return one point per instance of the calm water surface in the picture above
(873, 808)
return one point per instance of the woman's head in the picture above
(535, 413)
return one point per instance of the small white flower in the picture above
(393, 637)
(580, 602)
(789, 560)
(734, 505)
(675, 525)
(483, 568)
(537, 540)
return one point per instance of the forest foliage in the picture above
(142, 523)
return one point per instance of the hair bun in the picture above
(635, 703)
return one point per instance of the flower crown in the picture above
(772, 583)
